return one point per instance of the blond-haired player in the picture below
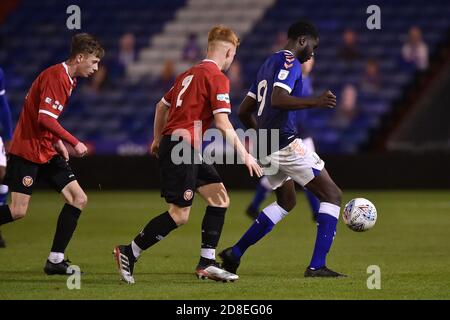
(198, 96)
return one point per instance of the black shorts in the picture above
(22, 175)
(180, 181)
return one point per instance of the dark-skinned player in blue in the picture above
(276, 97)
(263, 189)
(5, 139)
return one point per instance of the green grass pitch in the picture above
(410, 243)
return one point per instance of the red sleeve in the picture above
(220, 94)
(167, 99)
(53, 96)
(50, 124)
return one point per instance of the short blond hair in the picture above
(223, 33)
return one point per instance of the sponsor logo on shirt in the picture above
(283, 74)
(48, 100)
(58, 106)
(225, 97)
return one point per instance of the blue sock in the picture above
(270, 216)
(262, 226)
(314, 203)
(3, 194)
(327, 219)
(260, 195)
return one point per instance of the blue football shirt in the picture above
(281, 69)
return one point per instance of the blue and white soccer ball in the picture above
(360, 214)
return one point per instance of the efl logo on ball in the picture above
(27, 181)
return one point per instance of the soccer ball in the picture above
(360, 214)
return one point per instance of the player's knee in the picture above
(179, 215)
(334, 196)
(287, 203)
(79, 201)
(18, 211)
(180, 219)
(222, 202)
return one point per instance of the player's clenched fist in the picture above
(80, 149)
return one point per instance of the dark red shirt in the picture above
(48, 95)
(198, 94)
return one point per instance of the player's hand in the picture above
(326, 99)
(62, 150)
(80, 149)
(253, 166)
(154, 149)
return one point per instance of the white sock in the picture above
(329, 208)
(3, 189)
(274, 212)
(136, 250)
(208, 253)
(56, 257)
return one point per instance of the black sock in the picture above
(5, 215)
(67, 222)
(155, 230)
(212, 226)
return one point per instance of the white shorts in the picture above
(297, 161)
(2, 154)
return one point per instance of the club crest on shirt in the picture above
(283, 74)
(188, 194)
(27, 181)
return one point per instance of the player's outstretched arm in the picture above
(245, 113)
(224, 125)
(283, 100)
(52, 125)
